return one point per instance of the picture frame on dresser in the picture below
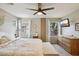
(76, 26)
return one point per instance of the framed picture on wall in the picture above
(77, 27)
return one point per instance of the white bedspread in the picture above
(23, 47)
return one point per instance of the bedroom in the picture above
(17, 21)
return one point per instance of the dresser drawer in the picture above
(66, 44)
(67, 48)
(66, 40)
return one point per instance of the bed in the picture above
(9, 46)
(22, 47)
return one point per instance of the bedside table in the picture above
(35, 36)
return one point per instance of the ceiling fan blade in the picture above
(43, 13)
(39, 5)
(32, 9)
(48, 9)
(35, 13)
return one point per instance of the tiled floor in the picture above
(61, 51)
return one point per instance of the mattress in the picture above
(23, 47)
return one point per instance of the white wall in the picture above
(9, 25)
(74, 18)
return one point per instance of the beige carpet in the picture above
(61, 51)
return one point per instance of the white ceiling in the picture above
(19, 9)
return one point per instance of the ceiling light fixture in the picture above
(39, 13)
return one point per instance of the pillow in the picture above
(4, 39)
(12, 37)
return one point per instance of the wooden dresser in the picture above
(70, 44)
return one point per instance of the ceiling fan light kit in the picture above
(39, 13)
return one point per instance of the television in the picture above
(65, 23)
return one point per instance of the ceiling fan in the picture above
(40, 10)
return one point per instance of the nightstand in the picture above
(35, 36)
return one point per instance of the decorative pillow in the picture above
(12, 37)
(4, 39)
